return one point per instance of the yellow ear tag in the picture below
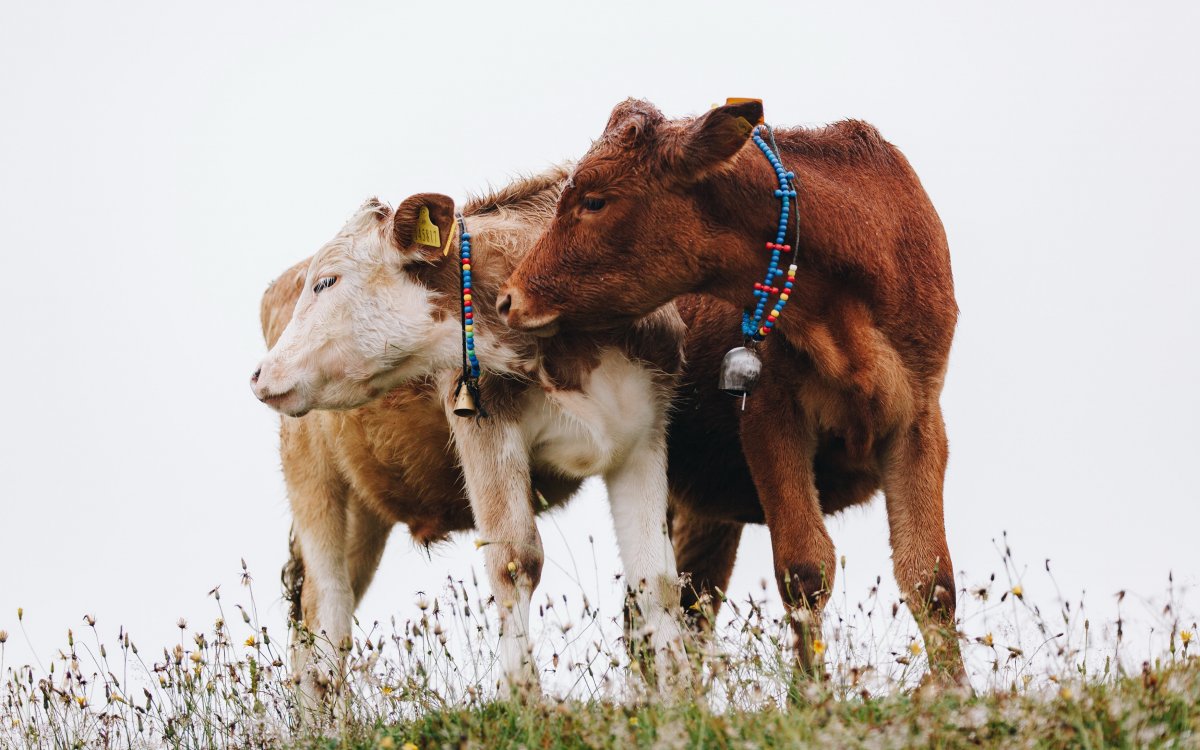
(743, 125)
(743, 100)
(427, 232)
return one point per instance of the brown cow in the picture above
(661, 208)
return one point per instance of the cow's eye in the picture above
(324, 283)
(593, 203)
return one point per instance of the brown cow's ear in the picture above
(713, 138)
(423, 223)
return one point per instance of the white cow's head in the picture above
(368, 318)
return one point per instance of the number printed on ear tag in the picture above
(427, 232)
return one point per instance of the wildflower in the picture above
(633, 721)
(386, 743)
(181, 623)
(81, 701)
(1185, 636)
(1017, 591)
(20, 614)
(4, 636)
(987, 640)
(251, 641)
(1065, 693)
(422, 602)
(914, 648)
(408, 746)
(197, 657)
(818, 646)
(386, 689)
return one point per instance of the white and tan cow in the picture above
(380, 310)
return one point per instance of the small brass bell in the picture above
(739, 371)
(464, 402)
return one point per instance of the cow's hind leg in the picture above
(705, 550)
(366, 537)
(914, 469)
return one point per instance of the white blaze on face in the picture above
(362, 325)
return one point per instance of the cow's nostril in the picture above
(504, 305)
(254, 377)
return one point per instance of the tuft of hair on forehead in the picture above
(632, 121)
(369, 214)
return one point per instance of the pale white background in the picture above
(161, 163)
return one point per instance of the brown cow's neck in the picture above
(742, 204)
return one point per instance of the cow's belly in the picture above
(591, 431)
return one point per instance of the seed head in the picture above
(4, 636)
(1185, 636)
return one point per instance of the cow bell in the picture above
(739, 371)
(464, 402)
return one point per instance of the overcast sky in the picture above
(160, 166)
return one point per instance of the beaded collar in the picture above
(756, 328)
(742, 366)
(467, 399)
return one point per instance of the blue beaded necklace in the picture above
(742, 366)
(756, 328)
(467, 399)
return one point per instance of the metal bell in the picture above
(464, 402)
(739, 371)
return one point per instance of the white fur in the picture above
(374, 329)
(368, 333)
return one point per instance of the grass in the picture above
(1040, 680)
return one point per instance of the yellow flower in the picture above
(914, 648)
(81, 701)
(1018, 591)
(386, 689)
(1065, 693)
(387, 743)
(988, 640)
(3, 636)
(197, 657)
(408, 746)
(818, 646)
(633, 722)
(251, 642)
(1185, 636)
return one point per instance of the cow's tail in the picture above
(293, 577)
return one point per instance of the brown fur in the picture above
(852, 374)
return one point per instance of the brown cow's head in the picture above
(629, 230)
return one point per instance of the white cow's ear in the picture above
(423, 222)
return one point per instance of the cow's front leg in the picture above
(637, 494)
(495, 464)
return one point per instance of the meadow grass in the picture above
(1040, 679)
